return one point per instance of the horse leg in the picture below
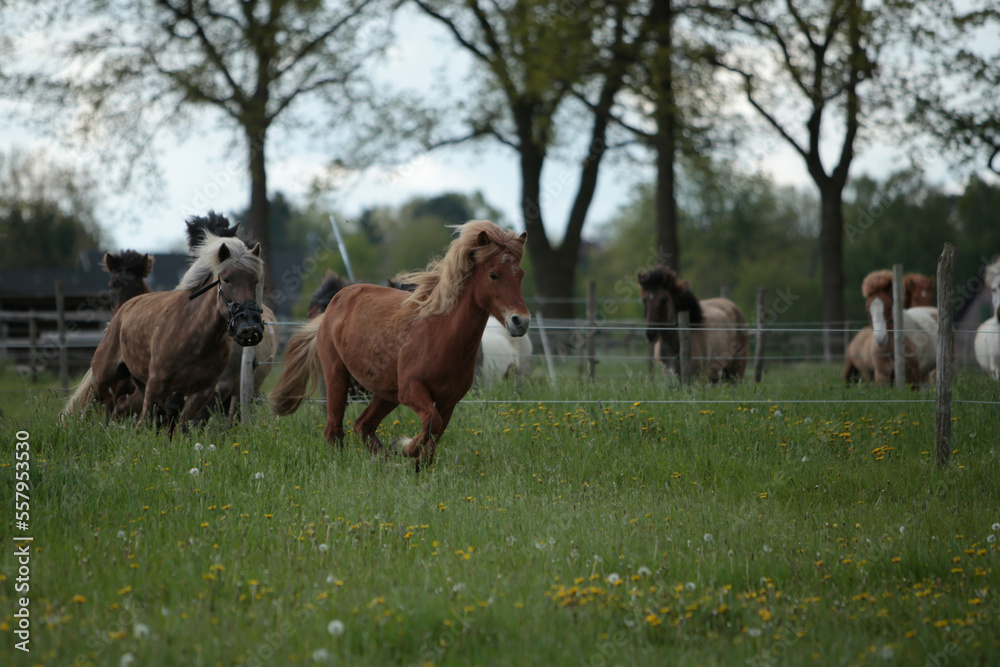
(368, 422)
(151, 399)
(416, 397)
(338, 382)
(193, 405)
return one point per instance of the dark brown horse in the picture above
(129, 270)
(199, 228)
(719, 340)
(179, 341)
(320, 299)
(416, 349)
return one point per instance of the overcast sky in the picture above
(206, 171)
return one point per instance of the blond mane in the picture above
(441, 283)
(993, 272)
(207, 265)
(876, 281)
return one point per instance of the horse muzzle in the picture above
(517, 325)
(246, 323)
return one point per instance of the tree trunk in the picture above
(665, 139)
(260, 207)
(831, 251)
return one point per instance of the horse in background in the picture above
(987, 342)
(200, 228)
(128, 271)
(417, 349)
(320, 299)
(919, 326)
(918, 291)
(179, 341)
(720, 343)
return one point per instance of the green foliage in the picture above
(46, 213)
(640, 531)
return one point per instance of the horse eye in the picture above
(493, 276)
(225, 280)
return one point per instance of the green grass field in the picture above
(552, 529)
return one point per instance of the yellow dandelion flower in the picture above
(79, 599)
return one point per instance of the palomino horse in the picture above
(919, 326)
(129, 271)
(987, 344)
(179, 341)
(198, 229)
(719, 339)
(416, 349)
(918, 291)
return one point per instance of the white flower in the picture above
(754, 632)
(259, 475)
(127, 660)
(690, 586)
(193, 472)
(613, 578)
(121, 534)
(198, 447)
(335, 628)
(995, 527)
(643, 571)
(766, 549)
(211, 448)
(708, 537)
(140, 630)
(321, 655)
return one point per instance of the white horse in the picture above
(920, 327)
(501, 353)
(987, 343)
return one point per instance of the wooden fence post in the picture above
(61, 324)
(899, 329)
(32, 341)
(942, 412)
(758, 355)
(591, 325)
(684, 336)
(545, 346)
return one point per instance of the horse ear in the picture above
(112, 262)
(523, 236)
(224, 253)
(643, 276)
(255, 251)
(483, 239)
(232, 230)
(149, 263)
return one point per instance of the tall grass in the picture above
(552, 529)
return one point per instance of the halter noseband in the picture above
(250, 311)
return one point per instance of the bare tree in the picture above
(141, 66)
(530, 55)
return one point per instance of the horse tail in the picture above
(82, 396)
(302, 370)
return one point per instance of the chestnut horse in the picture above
(416, 349)
(719, 339)
(987, 343)
(129, 271)
(228, 388)
(920, 334)
(918, 290)
(178, 341)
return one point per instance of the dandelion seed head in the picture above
(643, 571)
(902, 529)
(259, 475)
(754, 632)
(335, 628)
(323, 547)
(991, 538)
(766, 549)
(211, 448)
(995, 527)
(321, 655)
(121, 534)
(127, 660)
(458, 588)
(690, 586)
(613, 578)
(193, 472)
(140, 630)
(805, 458)
(198, 447)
